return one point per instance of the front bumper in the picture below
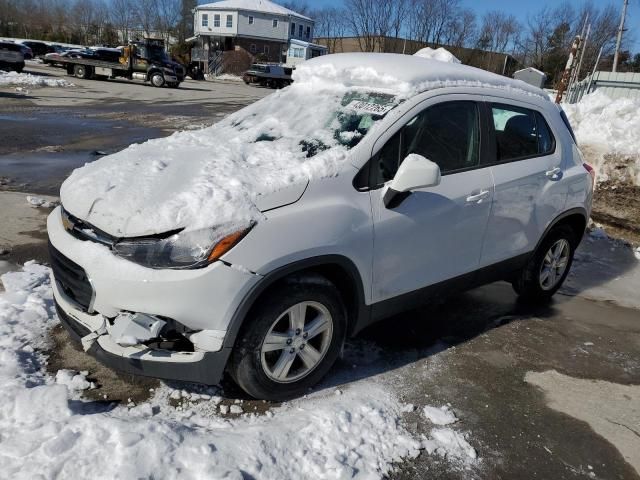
(200, 299)
(207, 368)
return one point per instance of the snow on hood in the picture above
(214, 176)
(441, 54)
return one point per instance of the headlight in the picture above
(193, 249)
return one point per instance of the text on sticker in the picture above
(366, 107)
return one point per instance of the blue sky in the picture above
(520, 8)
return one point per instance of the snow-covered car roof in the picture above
(402, 74)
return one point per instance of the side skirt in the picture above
(504, 270)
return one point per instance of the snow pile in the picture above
(450, 444)
(446, 442)
(607, 126)
(15, 78)
(441, 54)
(37, 202)
(402, 75)
(353, 435)
(73, 380)
(439, 416)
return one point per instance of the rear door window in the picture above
(520, 133)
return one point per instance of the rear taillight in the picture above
(592, 172)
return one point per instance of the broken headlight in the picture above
(193, 249)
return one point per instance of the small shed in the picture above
(531, 76)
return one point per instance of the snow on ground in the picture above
(47, 431)
(605, 269)
(26, 79)
(607, 126)
(439, 416)
(227, 77)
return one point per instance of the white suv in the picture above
(372, 184)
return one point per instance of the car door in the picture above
(435, 233)
(526, 169)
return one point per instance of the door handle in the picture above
(478, 197)
(554, 174)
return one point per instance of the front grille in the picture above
(71, 278)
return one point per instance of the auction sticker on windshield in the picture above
(370, 108)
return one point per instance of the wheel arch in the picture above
(576, 218)
(338, 269)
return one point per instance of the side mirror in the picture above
(414, 172)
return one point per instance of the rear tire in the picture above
(305, 321)
(80, 71)
(548, 267)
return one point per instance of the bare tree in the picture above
(331, 25)
(499, 32)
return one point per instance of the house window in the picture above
(205, 20)
(275, 23)
(252, 48)
(216, 20)
(250, 20)
(266, 49)
(308, 32)
(229, 21)
(293, 29)
(296, 52)
(300, 31)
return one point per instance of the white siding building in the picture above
(261, 28)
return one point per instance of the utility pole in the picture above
(619, 39)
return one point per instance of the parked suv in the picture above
(257, 246)
(11, 57)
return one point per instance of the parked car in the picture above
(11, 57)
(38, 49)
(374, 183)
(268, 75)
(27, 53)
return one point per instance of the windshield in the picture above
(312, 122)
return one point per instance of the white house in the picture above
(260, 27)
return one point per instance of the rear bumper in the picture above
(208, 370)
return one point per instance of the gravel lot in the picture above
(543, 392)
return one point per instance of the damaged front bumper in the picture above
(91, 330)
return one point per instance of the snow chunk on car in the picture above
(217, 175)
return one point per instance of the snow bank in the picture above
(607, 126)
(356, 434)
(441, 54)
(15, 78)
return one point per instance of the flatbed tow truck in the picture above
(141, 60)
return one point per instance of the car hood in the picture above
(227, 174)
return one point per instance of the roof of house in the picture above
(264, 6)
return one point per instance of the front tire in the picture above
(549, 266)
(291, 339)
(157, 80)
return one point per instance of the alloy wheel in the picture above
(554, 264)
(296, 342)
